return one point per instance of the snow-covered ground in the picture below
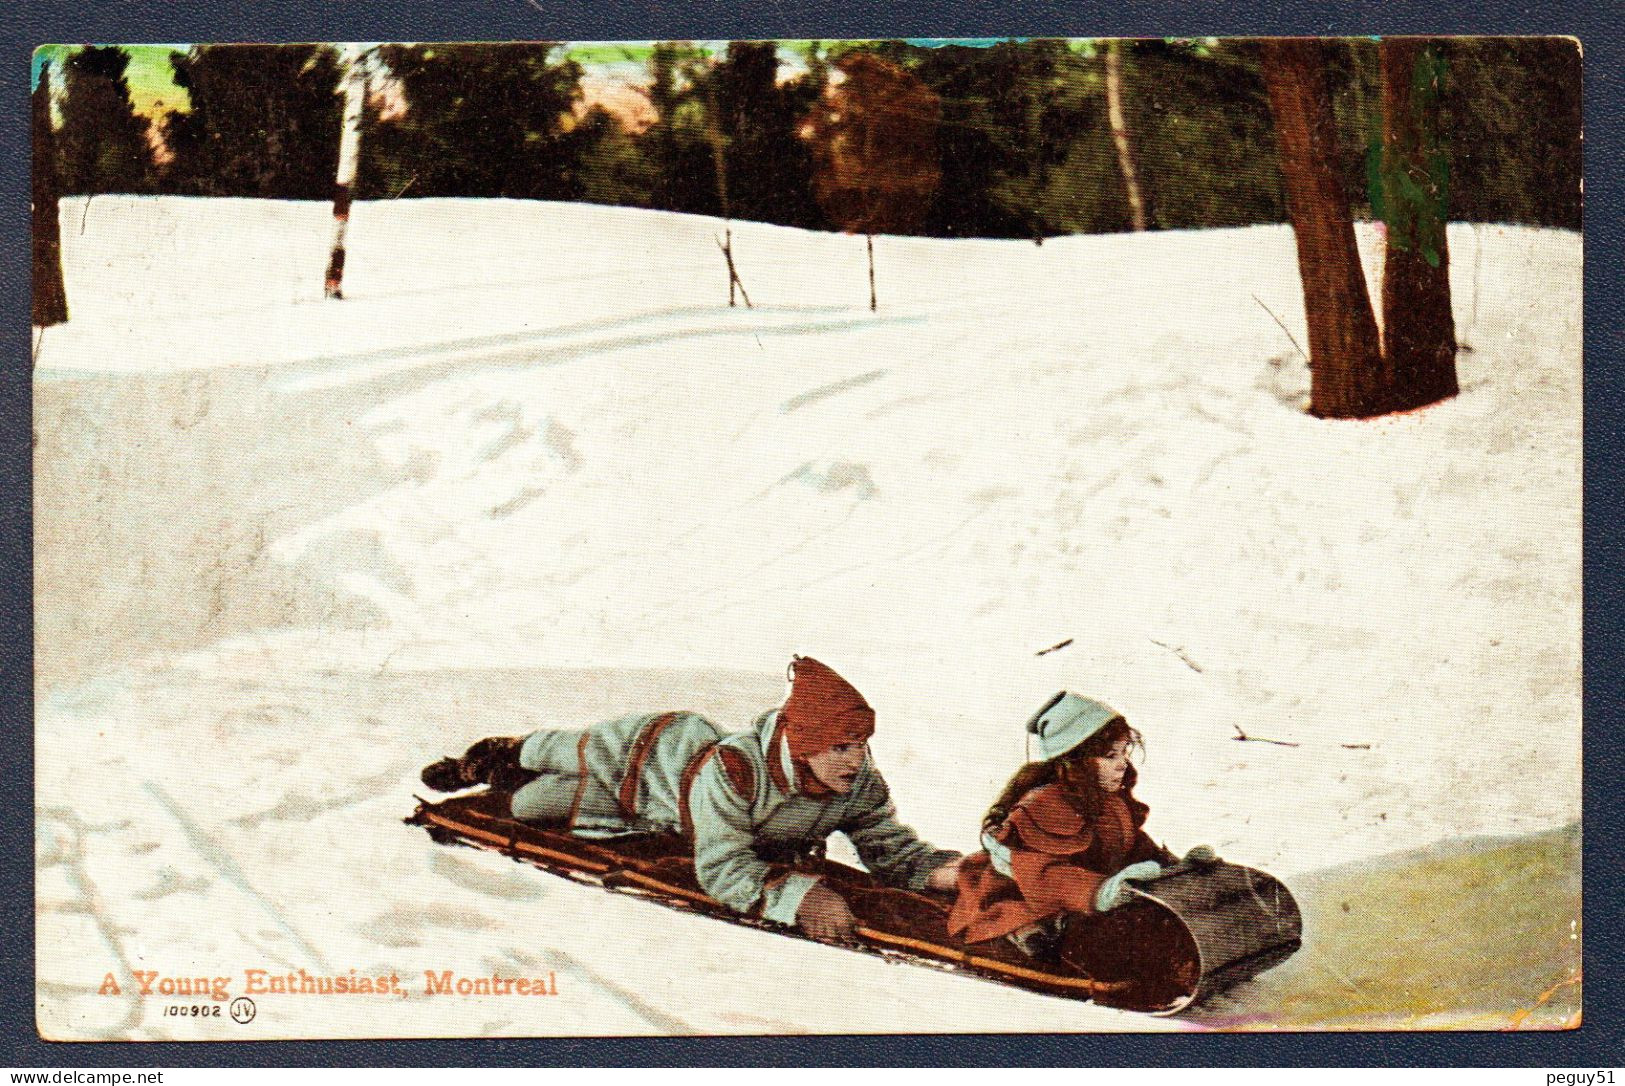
(533, 470)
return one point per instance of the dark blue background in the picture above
(1597, 1043)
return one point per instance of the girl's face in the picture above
(1109, 769)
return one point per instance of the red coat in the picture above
(1058, 860)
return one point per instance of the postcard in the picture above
(563, 539)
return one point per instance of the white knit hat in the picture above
(1066, 721)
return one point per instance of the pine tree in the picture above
(680, 143)
(769, 167)
(662, 142)
(1200, 112)
(979, 137)
(103, 143)
(613, 170)
(264, 121)
(485, 120)
(1034, 115)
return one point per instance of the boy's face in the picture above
(837, 768)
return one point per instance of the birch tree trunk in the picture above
(355, 97)
(1120, 133)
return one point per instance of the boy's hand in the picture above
(944, 878)
(823, 915)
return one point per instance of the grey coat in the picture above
(731, 812)
(734, 797)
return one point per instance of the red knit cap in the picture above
(823, 710)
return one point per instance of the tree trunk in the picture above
(1348, 378)
(1120, 133)
(355, 97)
(50, 296)
(1419, 331)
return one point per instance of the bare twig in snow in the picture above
(1057, 647)
(719, 162)
(733, 273)
(1179, 652)
(1243, 737)
(1282, 327)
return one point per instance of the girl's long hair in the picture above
(1073, 772)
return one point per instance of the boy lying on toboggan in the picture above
(750, 803)
(1062, 839)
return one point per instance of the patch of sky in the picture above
(151, 78)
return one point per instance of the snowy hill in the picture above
(534, 470)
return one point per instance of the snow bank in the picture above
(534, 470)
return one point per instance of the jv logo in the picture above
(242, 1010)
